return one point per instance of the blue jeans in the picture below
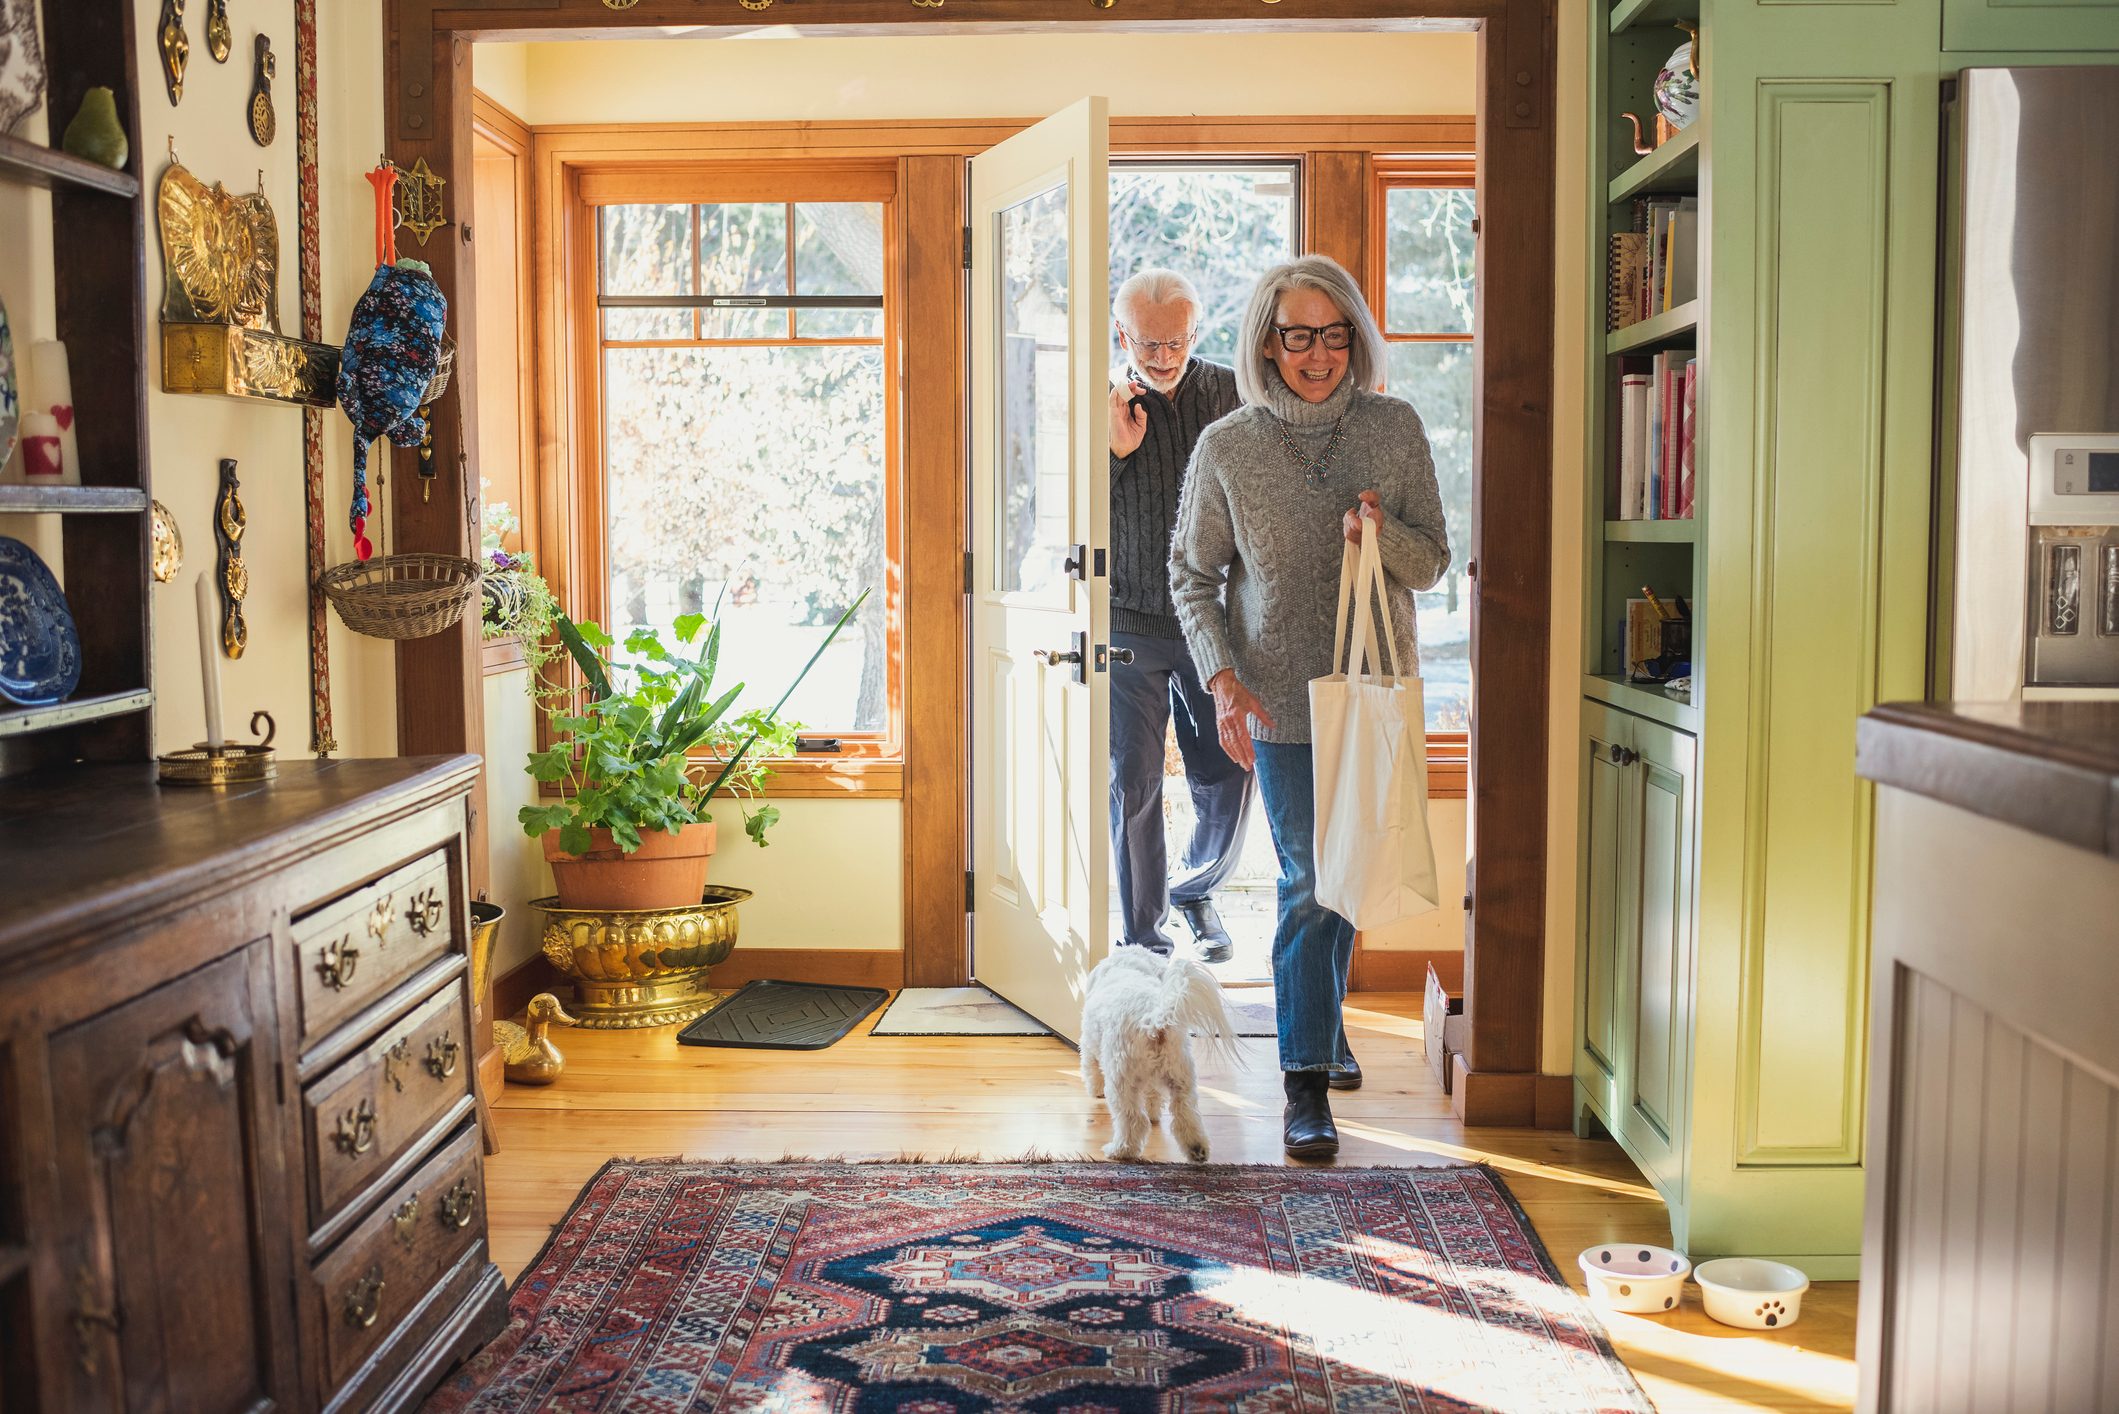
(1312, 946)
(1159, 687)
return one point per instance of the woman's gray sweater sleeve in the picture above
(1414, 538)
(1201, 552)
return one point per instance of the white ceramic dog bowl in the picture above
(1634, 1276)
(1752, 1292)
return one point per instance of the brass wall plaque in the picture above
(220, 304)
(419, 207)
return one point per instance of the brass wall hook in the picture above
(263, 125)
(220, 39)
(175, 47)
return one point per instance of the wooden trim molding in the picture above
(427, 113)
(501, 655)
(1375, 970)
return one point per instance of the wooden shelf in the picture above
(1628, 13)
(16, 720)
(1643, 700)
(42, 166)
(1649, 334)
(63, 500)
(1652, 532)
(1673, 167)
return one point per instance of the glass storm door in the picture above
(1040, 514)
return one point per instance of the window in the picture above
(1220, 224)
(748, 437)
(1426, 311)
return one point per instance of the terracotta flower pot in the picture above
(667, 871)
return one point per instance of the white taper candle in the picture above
(210, 659)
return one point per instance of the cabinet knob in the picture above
(424, 911)
(458, 1204)
(355, 1134)
(442, 1054)
(336, 962)
(1623, 755)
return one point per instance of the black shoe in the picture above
(1215, 944)
(1348, 1079)
(1306, 1128)
(1155, 943)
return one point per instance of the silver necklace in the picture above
(1314, 469)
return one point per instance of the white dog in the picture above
(1136, 1040)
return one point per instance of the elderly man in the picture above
(1157, 414)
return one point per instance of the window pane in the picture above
(1030, 501)
(647, 250)
(1437, 380)
(622, 324)
(1220, 227)
(742, 323)
(838, 248)
(1429, 246)
(743, 248)
(758, 472)
(838, 323)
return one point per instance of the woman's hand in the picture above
(1233, 703)
(1371, 507)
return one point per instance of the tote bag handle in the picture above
(1361, 571)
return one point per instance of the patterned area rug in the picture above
(1054, 1288)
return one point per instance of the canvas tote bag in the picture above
(1368, 742)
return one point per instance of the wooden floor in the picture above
(637, 1094)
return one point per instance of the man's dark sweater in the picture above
(1144, 494)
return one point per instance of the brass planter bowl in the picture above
(641, 967)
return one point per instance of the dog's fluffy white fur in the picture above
(1137, 1024)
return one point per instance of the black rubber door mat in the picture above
(783, 1016)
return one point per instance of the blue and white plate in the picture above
(40, 652)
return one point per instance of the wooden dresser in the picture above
(239, 1154)
(1990, 1252)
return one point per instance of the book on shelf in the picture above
(1633, 431)
(1688, 424)
(1653, 267)
(1625, 268)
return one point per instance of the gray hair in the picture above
(1365, 356)
(1153, 286)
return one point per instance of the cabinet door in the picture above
(1658, 951)
(1602, 1009)
(169, 1148)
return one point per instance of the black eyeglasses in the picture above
(1297, 337)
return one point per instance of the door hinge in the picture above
(967, 571)
(971, 892)
(280, 1077)
(967, 247)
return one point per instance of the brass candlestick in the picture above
(233, 764)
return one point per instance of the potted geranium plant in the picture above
(633, 828)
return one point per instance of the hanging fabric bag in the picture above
(1368, 743)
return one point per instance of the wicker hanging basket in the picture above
(444, 364)
(401, 596)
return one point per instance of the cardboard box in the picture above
(1444, 1026)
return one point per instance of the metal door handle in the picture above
(1120, 655)
(1052, 657)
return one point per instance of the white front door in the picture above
(1040, 527)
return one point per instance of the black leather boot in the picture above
(1306, 1128)
(1350, 1078)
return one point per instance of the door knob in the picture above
(1121, 655)
(1052, 657)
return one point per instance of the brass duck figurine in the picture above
(531, 1057)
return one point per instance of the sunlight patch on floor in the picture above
(1529, 1168)
(1782, 1374)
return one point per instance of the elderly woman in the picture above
(1272, 490)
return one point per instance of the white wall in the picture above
(189, 434)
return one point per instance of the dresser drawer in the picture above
(378, 1276)
(365, 1111)
(353, 949)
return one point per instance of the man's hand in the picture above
(1129, 420)
(1369, 507)
(1233, 704)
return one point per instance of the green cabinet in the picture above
(1635, 952)
(2014, 26)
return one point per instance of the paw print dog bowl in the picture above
(1752, 1292)
(1634, 1277)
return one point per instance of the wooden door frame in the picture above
(428, 113)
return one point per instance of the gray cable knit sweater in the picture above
(1144, 494)
(1253, 524)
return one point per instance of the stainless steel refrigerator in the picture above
(2026, 599)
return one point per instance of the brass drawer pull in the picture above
(336, 962)
(425, 911)
(379, 920)
(356, 1130)
(442, 1055)
(406, 1215)
(399, 1054)
(458, 1204)
(364, 1299)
